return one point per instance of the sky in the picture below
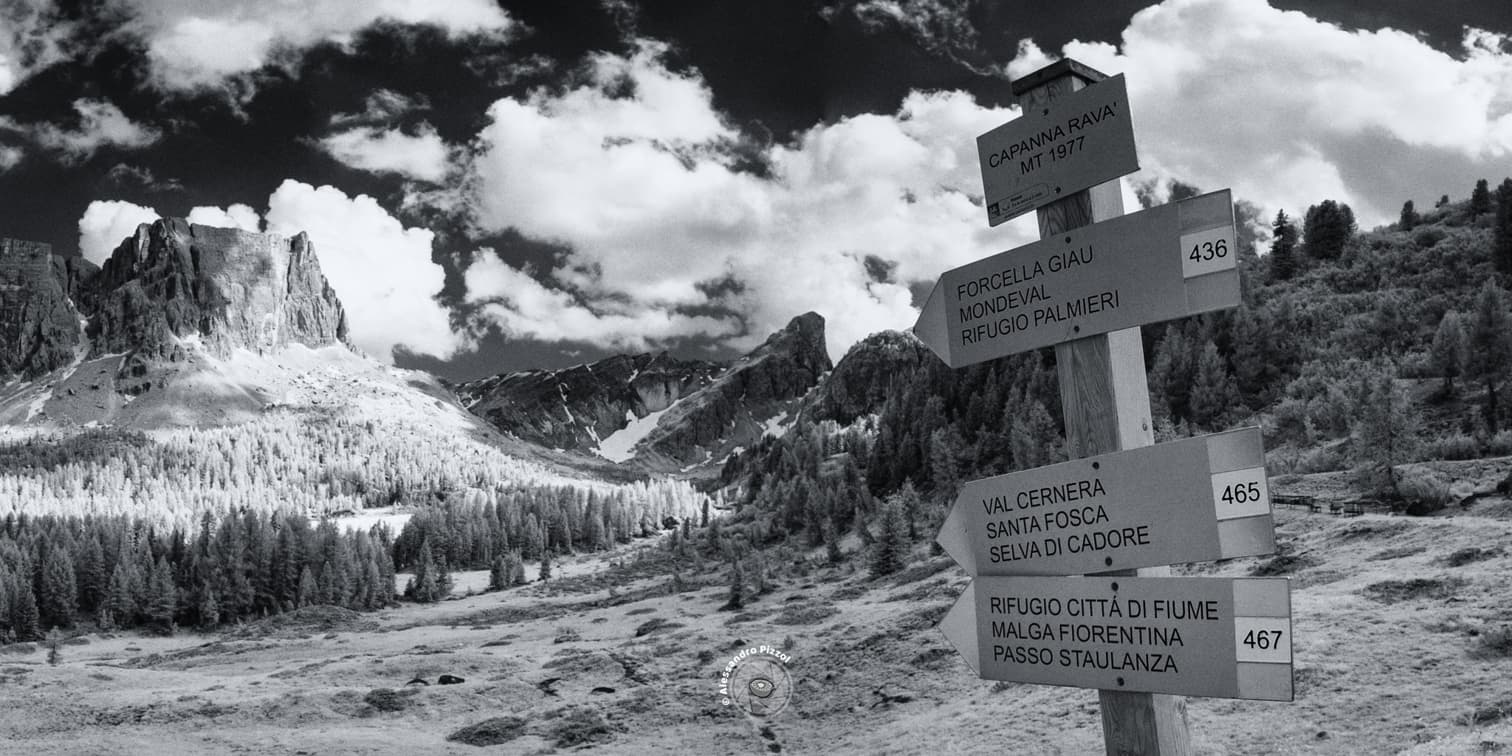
(497, 186)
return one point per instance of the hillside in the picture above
(1401, 627)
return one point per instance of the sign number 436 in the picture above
(1207, 251)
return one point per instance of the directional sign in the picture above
(1167, 262)
(1192, 500)
(1194, 636)
(1078, 141)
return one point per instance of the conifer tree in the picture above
(57, 600)
(1386, 433)
(208, 609)
(1480, 199)
(1501, 241)
(737, 586)
(425, 586)
(1213, 394)
(1409, 216)
(545, 573)
(23, 610)
(162, 601)
(309, 591)
(1283, 258)
(891, 549)
(1449, 349)
(120, 606)
(1326, 228)
(1490, 346)
(498, 573)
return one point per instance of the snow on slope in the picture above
(620, 445)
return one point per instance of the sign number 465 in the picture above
(1241, 493)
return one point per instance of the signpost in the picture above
(1219, 637)
(1192, 500)
(1163, 263)
(1139, 636)
(1058, 148)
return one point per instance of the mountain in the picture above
(39, 327)
(654, 411)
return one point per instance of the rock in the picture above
(39, 325)
(450, 680)
(228, 288)
(861, 380)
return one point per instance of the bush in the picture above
(1500, 444)
(1426, 238)
(490, 732)
(1458, 446)
(386, 699)
(1470, 555)
(1423, 491)
(1495, 642)
(1321, 459)
(580, 726)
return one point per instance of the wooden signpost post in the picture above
(1086, 287)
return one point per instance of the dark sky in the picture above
(129, 101)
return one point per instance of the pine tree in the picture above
(1490, 345)
(1449, 350)
(120, 606)
(309, 592)
(57, 599)
(208, 609)
(1327, 226)
(1213, 394)
(498, 573)
(545, 573)
(1409, 216)
(162, 601)
(425, 587)
(1171, 375)
(23, 610)
(54, 647)
(1501, 243)
(1283, 258)
(737, 586)
(1385, 434)
(1480, 199)
(891, 549)
(909, 503)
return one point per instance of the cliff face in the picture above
(230, 288)
(862, 379)
(39, 327)
(576, 408)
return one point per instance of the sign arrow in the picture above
(1193, 636)
(1163, 263)
(1191, 500)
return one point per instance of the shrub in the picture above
(1470, 555)
(1458, 446)
(580, 726)
(490, 732)
(1423, 491)
(1495, 642)
(386, 699)
(1429, 236)
(1322, 459)
(1500, 445)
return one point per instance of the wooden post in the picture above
(1106, 404)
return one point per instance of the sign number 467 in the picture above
(1263, 640)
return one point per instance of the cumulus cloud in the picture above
(1289, 110)
(10, 157)
(423, 156)
(236, 216)
(106, 223)
(631, 170)
(199, 43)
(101, 124)
(381, 270)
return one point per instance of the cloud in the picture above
(381, 270)
(524, 308)
(1288, 110)
(101, 124)
(32, 37)
(423, 156)
(10, 157)
(106, 223)
(236, 216)
(633, 171)
(382, 107)
(195, 44)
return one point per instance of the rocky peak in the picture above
(229, 288)
(39, 327)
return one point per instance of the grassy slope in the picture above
(1383, 665)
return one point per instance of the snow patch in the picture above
(619, 445)
(776, 426)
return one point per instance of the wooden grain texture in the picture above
(1106, 404)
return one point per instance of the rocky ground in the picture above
(1402, 646)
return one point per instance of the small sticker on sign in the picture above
(1241, 493)
(1262, 639)
(1207, 251)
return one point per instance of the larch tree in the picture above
(1490, 346)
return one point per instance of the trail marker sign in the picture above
(1051, 151)
(1194, 636)
(1193, 500)
(1167, 262)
